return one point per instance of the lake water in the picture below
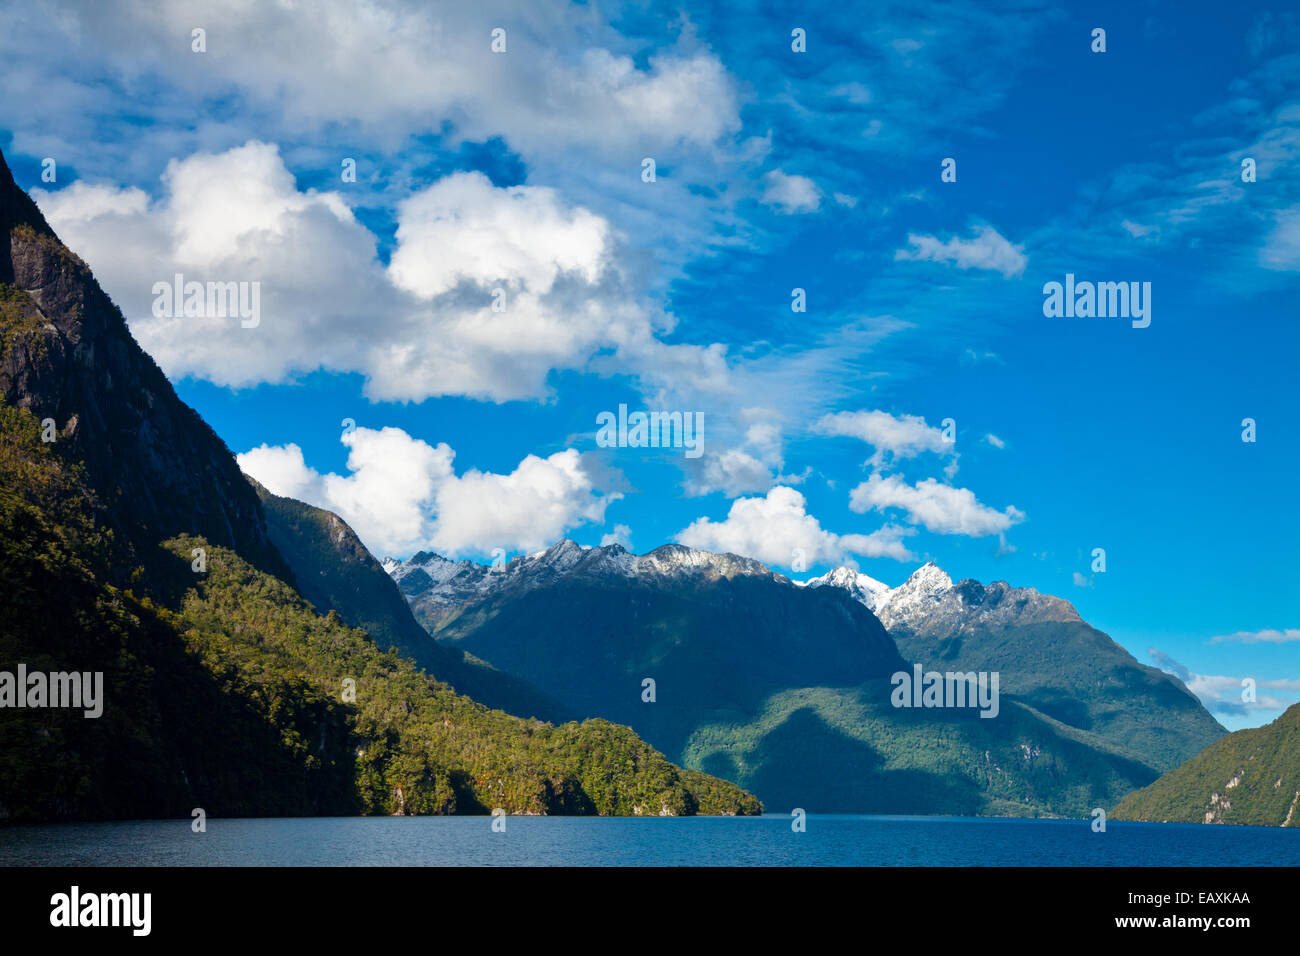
(621, 841)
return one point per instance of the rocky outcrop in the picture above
(155, 467)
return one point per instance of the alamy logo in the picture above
(1101, 300)
(208, 300)
(933, 689)
(56, 689)
(102, 909)
(652, 430)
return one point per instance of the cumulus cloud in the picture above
(487, 291)
(790, 194)
(995, 441)
(464, 229)
(775, 528)
(402, 494)
(987, 249)
(82, 202)
(898, 436)
(940, 508)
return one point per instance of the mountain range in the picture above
(784, 686)
(237, 639)
(1049, 658)
(258, 660)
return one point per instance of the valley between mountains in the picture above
(230, 624)
(784, 687)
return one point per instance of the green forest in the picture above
(226, 690)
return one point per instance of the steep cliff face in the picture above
(223, 688)
(154, 466)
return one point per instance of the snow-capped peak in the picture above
(874, 594)
(440, 581)
(928, 600)
(929, 578)
(560, 556)
(677, 558)
(920, 594)
(924, 588)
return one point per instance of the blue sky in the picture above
(775, 170)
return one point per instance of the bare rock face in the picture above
(156, 469)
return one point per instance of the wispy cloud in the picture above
(1259, 637)
(1227, 695)
(986, 249)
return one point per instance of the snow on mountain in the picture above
(929, 601)
(440, 582)
(865, 589)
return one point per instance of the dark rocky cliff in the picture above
(70, 357)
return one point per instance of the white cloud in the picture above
(423, 327)
(622, 534)
(899, 436)
(790, 194)
(995, 441)
(82, 202)
(1080, 581)
(732, 471)
(462, 229)
(1222, 694)
(1139, 231)
(1271, 636)
(986, 250)
(972, 357)
(391, 67)
(402, 494)
(752, 465)
(773, 528)
(940, 508)
(1281, 250)
(855, 93)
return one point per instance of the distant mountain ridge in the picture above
(437, 586)
(929, 600)
(1048, 656)
(132, 545)
(609, 619)
(783, 687)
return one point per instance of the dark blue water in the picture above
(688, 841)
